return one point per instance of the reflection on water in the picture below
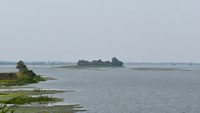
(147, 89)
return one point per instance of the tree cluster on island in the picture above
(114, 62)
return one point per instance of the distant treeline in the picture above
(162, 63)
(34, 63)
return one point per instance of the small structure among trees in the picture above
(21, 67)
(23, 71)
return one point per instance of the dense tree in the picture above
(116, 62)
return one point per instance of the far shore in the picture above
(88, 66)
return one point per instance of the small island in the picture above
(113, 63)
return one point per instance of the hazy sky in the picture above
(132, 30)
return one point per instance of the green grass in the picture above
(21, 100)
(41, 109)
(22, 81)
(7, 95)
(50, 109)
(8, 109)
(23, 97)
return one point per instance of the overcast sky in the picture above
(132, 30)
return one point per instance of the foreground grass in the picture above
(27, 97)
(33, 101)
(17, 100)
(41, 109)
(51, 109)
(6, 95)
(8, 109)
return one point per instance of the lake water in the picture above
(132, 89)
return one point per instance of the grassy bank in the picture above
(21, 100)
(7, 95)
(19, 81)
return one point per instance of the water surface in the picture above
(149, 89)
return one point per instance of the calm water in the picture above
(126, 90)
